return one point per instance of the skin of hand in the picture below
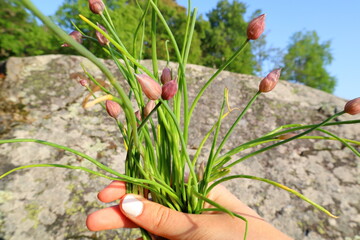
(135, 211)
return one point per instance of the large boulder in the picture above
(41, 98)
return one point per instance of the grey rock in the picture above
(41, 98)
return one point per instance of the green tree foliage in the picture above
(306, 60)
(20, 35)
(176, 18)
(214, 41)
(225, 34)
(127, 16)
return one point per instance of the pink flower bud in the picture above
(270, 81)
(150, 88)
(113, 108)
(256, 27)
(352, 107)
(169, 89)
(149, 107)
(84, 82)
(102, 40)
(166, 75)
(138, 115)
(76, 36)
(96, 6)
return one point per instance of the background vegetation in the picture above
(217, 36)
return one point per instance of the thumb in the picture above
(158, 219)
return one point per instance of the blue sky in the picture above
(332, 20)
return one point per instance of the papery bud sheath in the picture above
(270, 81)
(138, 115)
(101, 39)
(96, 6)
(169, 90)
(76, 35)
(256, 27)
(113, 108)
(352, 107)
(149, 107)
(166, 75)
(150, 88)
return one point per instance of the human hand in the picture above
(136, 211)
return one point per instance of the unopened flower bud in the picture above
(101, 38)
(270, 81)
(286, 136)
(83, 82)
(166, 75)
(169, 89)
(138, 115)
(150, 88)
(256, 27)
(149, 107)
(76, 35)
(96, 6)
(200, 171)
(352, 107)
(113, 108)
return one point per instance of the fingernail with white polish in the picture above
(132, 206)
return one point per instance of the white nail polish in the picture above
(132, 206)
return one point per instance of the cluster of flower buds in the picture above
(101, 39)
(270, 81)
(113, 108)
(76, 35)
(256, 27)
(96, 6)
(153, 90)
(352, 107)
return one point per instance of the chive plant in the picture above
(157, 157)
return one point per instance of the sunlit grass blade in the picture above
(343, 141)
(211, 158)
(139, 182)
(286, 140)
(241, 115)
(292, 191)
(78, 153)
(226, 157)
(61, 166)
